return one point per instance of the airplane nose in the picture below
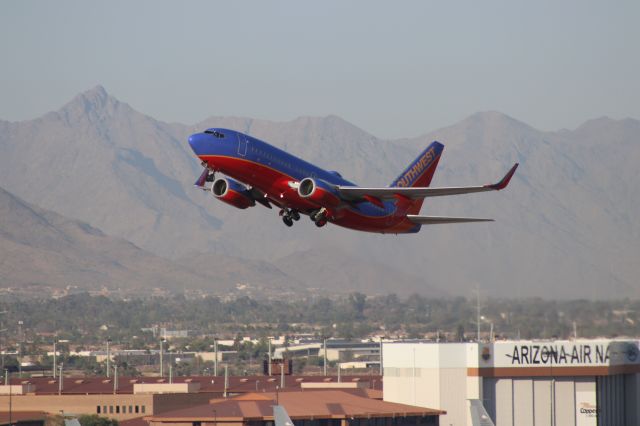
(195, 141)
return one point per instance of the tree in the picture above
(95, 420)
(358, 302)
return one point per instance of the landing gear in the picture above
(288, 216)
(319, 217)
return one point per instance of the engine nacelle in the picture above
(232, 192)
(319, 192)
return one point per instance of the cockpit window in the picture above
(215, 133)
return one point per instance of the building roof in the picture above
(208, 384)
(21, 416)
(138, 421)
(334, 404)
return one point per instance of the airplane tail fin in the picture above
(420, 172)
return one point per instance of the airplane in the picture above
(257, 172)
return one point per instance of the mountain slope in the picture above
(564, 228)
(39, 247)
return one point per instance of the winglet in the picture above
(505, 180)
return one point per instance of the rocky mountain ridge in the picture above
(564, 228)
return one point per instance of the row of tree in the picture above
(88, 320)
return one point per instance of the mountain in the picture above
(42, 248)
(564, 228)
(39, 248)
(98, 160)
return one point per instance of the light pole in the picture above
(325, 357)
(161, 358)
(108, 356)
(215, 359)
(55, 341)
(10, 400)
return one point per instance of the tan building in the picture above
(118, 406)
(132, 398)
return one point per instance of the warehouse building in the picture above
(536, 383)
(134, 397)
(306, 408)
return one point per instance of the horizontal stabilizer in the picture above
(435, 220)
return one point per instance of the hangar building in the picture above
(523, 383)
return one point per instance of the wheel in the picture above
(295, 215)
(320, 223)
(287, 220)
(313, 215)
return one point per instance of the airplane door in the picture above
(243, 143)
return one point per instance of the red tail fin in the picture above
(420, 172)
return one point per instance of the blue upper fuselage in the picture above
(230, 143)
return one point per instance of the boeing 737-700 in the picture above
(257, 172)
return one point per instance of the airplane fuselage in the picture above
(277, 173)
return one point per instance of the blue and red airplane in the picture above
(261, 173)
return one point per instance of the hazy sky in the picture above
(394, 68)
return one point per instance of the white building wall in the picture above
(542, 402)
(523, 402)
(429, 375)
(504, 402)
(445, 376)
(565, 402)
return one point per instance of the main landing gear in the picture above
(289, 215)
(319, 217)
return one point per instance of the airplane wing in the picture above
(356, 193)
(435, 220)
(281, 417)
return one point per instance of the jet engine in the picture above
(319, 192)
(232, 192)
